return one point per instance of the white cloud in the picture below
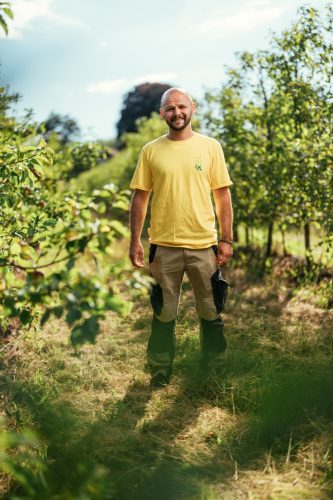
(248, 18)
(113, 86)
(107, 86)
(155, 77)
(27, 11)
(103, 44)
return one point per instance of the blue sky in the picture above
(80, 57)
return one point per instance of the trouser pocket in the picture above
(220, 290)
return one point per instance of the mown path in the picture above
(262, 429)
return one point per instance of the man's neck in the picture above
(180, 135)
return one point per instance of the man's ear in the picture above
(162, 113)
(194, 107)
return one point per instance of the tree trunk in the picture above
(284, 248)
(269, 240)
(307, 244)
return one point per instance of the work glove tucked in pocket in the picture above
(220, 290)
(156, 298)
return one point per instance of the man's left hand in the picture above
(224, 253)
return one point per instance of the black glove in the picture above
(220, 290)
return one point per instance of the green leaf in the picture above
(111, 187)
(70, 264)
(9, 12)
(103, 242)
(4, 25)
(72, 316)
(50, 222)
(123, 205)
(101, 193)
(85, 214)
(58, 311)
(35, 298)
(15, 248)
(9, 307)
(25, 317)
(86, 332)
(28, 253)
(77, 245)
(45, 317)
(101, 207)
(117, 226)
(35, 276)
(83, 242)
(120, 306)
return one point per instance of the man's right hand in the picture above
(136, 254)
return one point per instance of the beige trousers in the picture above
(168, 265)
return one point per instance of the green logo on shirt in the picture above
(198, 167)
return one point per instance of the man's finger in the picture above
(138, 259)
(138, 263)
(223, 259)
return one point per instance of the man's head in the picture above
(177, 108)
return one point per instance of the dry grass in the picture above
(261, 430)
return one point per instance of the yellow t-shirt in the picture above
(181, 175)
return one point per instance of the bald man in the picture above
(181, 170)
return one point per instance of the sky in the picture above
(79, 58)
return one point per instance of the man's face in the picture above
(177, 111)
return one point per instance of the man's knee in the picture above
(206, 309)
(167, 315)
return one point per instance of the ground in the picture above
(262, 428)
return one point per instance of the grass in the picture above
(262, 429)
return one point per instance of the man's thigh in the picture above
(200, 267)
(167, 267)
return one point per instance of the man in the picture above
(182, 169)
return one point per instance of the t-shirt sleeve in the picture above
(142, 178)
(219, 175)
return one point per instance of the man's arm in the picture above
(224, 214)
(138, 213)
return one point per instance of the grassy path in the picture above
(263, 429)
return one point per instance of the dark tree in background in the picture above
(141, 101)
(66, 127)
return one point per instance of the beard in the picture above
(183, 123)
